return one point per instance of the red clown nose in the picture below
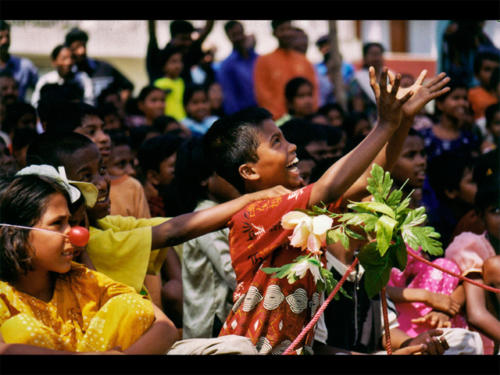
(79, 236)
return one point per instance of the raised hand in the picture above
(422, 94)
(388, 104)
(435, 319)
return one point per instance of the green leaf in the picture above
(384, 228)
(424, 237)
(344, 240)
(376, 278)
(415, 217)
(400, 256)
(333, 235)
(394, 198)
(353, 234)
(370, 257)
(379, 184)
(375, 207)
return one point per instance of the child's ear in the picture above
(248, 172)
(152, 177)
(451, 194)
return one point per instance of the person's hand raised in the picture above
(435, 319)
(389, 106)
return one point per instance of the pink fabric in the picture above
(469, 251)
(420, 275)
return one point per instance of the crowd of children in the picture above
(183, 187)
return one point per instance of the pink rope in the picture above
(316, 317)
(463, 278)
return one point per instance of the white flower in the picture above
(308, 232)
(300, 269)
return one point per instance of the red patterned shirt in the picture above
(269, 311)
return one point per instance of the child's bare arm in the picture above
(477, 313)
(187, 226)
(437, 301)
(158, 338)
(341, 175)
(421, 95)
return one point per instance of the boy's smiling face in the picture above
(277, 161)
(85, 164)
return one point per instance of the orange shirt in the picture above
(128, 198)
(480, 99)
(271, 74)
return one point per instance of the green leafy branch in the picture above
(388, 224)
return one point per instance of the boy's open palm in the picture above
(388, 104)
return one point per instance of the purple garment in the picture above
(235, 76)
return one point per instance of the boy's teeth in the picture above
(294, 161)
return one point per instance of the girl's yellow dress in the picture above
(88, 312)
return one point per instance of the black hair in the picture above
(56, 51)
(167, 53)
(453, 85)
(276, 23)
(369, 45)
(413, 133)
(293, 85)
(445, 172)
(494, 79)
(190, 91)
(160, 123)
(155, 150)
(191, 169)
(482, 56)
(180, 27)
(111, 89)
(76, 34)
(118, 137)
(67, 116)
(54, 97)
(351, 120)
(230, 24)
(326, 108)
(146, 90)
(488, 193)
(23, 201)
(489, 113)
(13, 112)
(106, 109)
(299, 132)
(139, 133)
(232, 141)
(7, 74)
(4, 25)
(53, 148)
(23, 137)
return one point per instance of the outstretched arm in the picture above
(421, 95)
(191, 225)
(341, 175)
(477, 313)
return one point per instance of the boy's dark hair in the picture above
(155, 150)
(230, 24)
(494, 79)
(111, 89)
(56, 51)
(76, 34)
(180, 27)
(13, 112)
(293, 85)
(369, 45)
(146, 90)
(4, 25)
(232, 141)
(54, 93)
(490, 112)
(275, 23)
(446, 171)
(299, 132)
(167, 53)
(52, 148)
(23, 137)
(488, 192)
(350, 122)
(7, 74)
(190, 91)
(482, 56)
(23, 201)
(106, 109)
(413, 133)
